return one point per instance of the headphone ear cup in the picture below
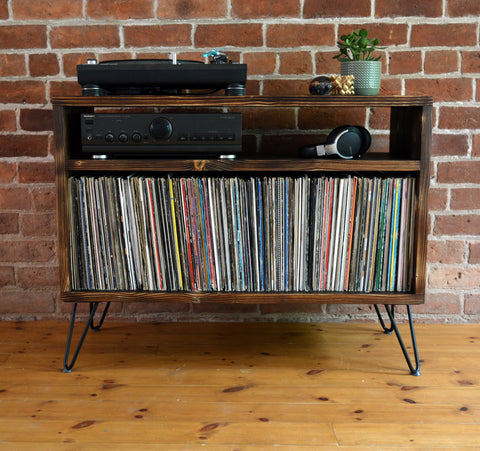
(366, 139)
(332, 136)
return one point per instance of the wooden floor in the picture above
(238, 387)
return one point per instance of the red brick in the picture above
(7, 172)
(272, 309)
(395, 8)
(46, 9)
(240, 34)
(458, 171)
(120, 9)
(437, 199)
(260, 63)
(222, 309)
(17, 301)
(409, 62)
(4, 10)
(449, 35)
(39, 224)
(36, 172)
(454, 277)
(390, 86)
(325, 64)
(443, 145)
(37, 277)
(144, 308)
(23, 36)
(470, 62)
(8, 121)
(23, 145)
(64, 88)
(12, 65)
(459, 117)
(157, 35)
(379, 119)
(41, 65)
(14, 198)
(36, 120)
(85, 36)
(474, 254)
(25, 91)
(472, 304)
(455, 225)
(442, 89)
(458, 8)
(297, 35)
(7, 276)
(441, 61)
(44, 199)
(191, 9)
(387, 33)
(440, 304)
(296, 63)
(247, 9)
(465, 198)
(285, 87)
(27, 251)
(476, 146)
(268, 118)
(446, 252)
(9, 223)
(329, 118)
(337, 8)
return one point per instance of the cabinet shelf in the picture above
(243, 297)
(373, 163)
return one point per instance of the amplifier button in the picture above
(136, 137)
(123, 137)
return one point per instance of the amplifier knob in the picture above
(136, 137)
(109, 137)
(161, 128)
(123, 137)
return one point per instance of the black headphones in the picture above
(347, 141)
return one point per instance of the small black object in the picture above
(346, 141)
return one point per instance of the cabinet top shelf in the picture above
(244, 101)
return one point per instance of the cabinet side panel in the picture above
(60, 124)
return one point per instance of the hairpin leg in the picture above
(387, 330)
(102, 319)
(67, 367)
(414, 370)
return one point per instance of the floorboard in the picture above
(238, 387)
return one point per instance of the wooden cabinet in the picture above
(408, 155)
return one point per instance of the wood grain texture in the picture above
(238, 386)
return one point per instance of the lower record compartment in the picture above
(207, 236)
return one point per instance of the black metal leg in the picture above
(67, 367)
(102, 319)
(387, 330)
(414, 370)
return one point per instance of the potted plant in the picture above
(356, 56)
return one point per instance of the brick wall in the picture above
(433, 48)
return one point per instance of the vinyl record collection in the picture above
(276, 234)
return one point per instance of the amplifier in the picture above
(165, 134)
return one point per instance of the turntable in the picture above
(159, 77)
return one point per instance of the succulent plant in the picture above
(357, 47)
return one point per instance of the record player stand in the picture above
(409, 153)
